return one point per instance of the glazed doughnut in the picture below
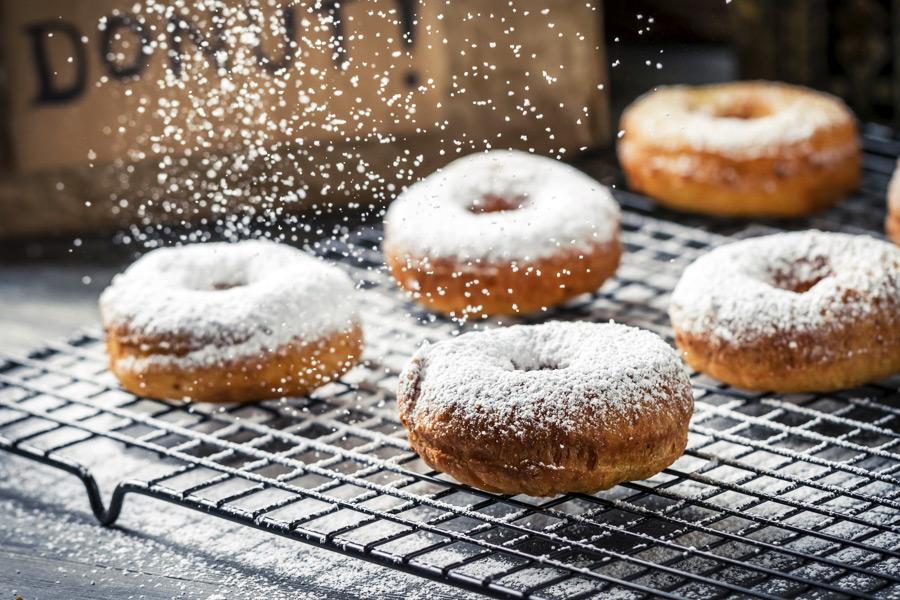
(502, 232)
(547, 409)
(792, 312)
(740, 149)
(892, 223)
(235, 322)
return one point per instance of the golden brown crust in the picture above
(721, 186)
(798, 179)
(892, 222)
(866, 350)
(545, 461)
(892, 227)
(485, 288)
(292, 370)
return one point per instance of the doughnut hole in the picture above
(492, 203)
(802, 276)
(802, 287)
(743, 109)
(541, 365)
(217, 284)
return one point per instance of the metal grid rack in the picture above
(777, 495)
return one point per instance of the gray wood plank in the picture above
(51, 547)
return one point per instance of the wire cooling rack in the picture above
(777, 495)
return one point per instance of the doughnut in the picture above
(792, 312)
(502, 232)
(892, 223)
(740, 149)
(547, 409)
(229, 322)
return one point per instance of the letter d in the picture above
(50, 89)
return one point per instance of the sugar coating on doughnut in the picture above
(560, 208)
(228, 301)
(558, 376)
(678, 116)
(754, 289)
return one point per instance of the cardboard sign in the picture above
(107, 78)
(124, 111)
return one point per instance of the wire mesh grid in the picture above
(777, 495)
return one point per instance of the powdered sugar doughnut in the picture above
(805, 311)
(546, 409)
(748, 148)
(224, 322)
(502, 232)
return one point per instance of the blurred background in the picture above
(65, 231)
(845, 47)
